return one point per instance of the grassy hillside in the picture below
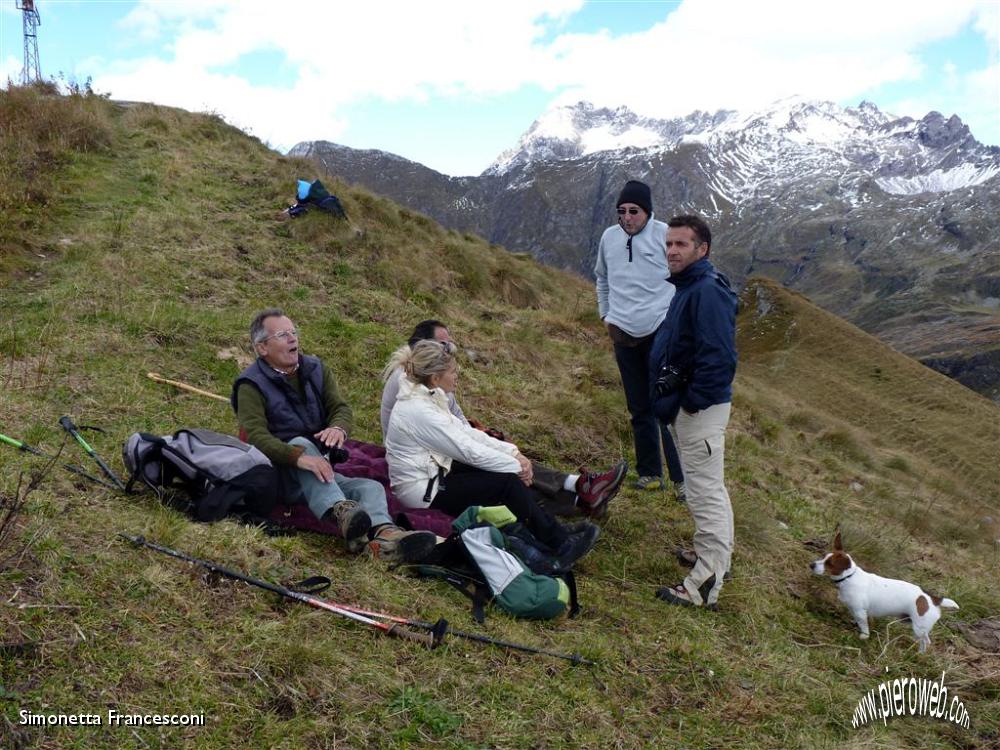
(140, 238)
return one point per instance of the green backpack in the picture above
(490, 556)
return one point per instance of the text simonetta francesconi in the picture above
(112, 718)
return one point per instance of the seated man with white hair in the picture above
(292, 411)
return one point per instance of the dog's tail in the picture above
(947, 604)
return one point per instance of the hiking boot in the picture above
(574, 528)
(703, 592)
(649, 483)
(353, 522)
(595, 491)
(679, 595)
(675, 595)
(577, 545)
(393, 544)
(680, 492)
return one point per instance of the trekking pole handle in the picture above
(67, 424)
(426, 639)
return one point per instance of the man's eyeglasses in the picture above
(629, 211)
(281, 335)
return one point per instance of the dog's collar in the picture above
(838, 581)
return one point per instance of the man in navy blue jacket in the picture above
(692, 365)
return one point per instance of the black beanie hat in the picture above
(638, 193)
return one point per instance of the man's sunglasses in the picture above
(629, 211)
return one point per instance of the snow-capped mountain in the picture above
(890, 222)
(581, 130)
(903, 156)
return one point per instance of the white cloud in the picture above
(718, 54)
(988, 23)
(707, 54)
(279, 116)
(10, 69)
(141, 25)
(342, 53)
(389, 49)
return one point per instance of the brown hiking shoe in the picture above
(354, 523)
(393, 544)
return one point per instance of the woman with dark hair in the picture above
(436, 460)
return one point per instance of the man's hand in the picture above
(317, 465)
(331, 437)
(527, 473)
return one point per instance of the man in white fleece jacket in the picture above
(632, 298)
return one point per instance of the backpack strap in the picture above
(476, 590)
(430, 484)
(574, 603)
(480, 595)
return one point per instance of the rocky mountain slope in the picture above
(889, 222)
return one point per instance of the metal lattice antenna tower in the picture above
(31, 71)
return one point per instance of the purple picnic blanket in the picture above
(366, 461)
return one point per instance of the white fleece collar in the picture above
(410, 390)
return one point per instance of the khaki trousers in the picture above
(700, 440)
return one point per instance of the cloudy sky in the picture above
(452, 84)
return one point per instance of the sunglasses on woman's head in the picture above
(629, 211)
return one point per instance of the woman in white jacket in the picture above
(436, 460)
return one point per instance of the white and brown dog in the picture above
(868, 594)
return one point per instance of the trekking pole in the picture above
(184, 386)
(20, 445)
(67, 424)
(574, 658)
(431, 639)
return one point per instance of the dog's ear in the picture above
(836, 543)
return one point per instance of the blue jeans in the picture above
(321, 496)
(647, 433)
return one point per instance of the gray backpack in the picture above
(219, 473)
